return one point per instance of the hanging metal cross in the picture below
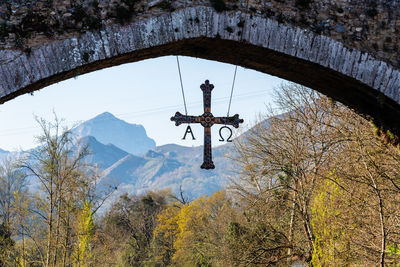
(207, 120)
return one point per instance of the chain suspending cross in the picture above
(207, 120)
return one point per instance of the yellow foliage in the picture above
(332, 238)
(83, 251)
(167, 226)
(188, 227)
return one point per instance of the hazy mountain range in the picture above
(3, 152)
(108, 129)
(129, 159)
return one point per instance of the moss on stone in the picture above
(390, 135)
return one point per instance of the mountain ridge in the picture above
(156, 167)
(108, 129)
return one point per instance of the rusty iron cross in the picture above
(207, 120)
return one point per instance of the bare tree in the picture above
(59, 167)
(287, 158)
(12, 180)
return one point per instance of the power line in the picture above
(162, 109)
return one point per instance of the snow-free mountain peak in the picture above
(107, 128)
(102, 155)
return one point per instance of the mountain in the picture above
(168, 166)
(111, 142)
(108, 129)
(135, 169)
(102, 155)
(3, 153)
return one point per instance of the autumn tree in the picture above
(283, 157)
(12, 180)
(165, 234)
(83, 255)
(67, 182)
(319, 166)
(126, 233)
(196, 233)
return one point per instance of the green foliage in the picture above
(377, 130)
(393, 251)
(332, 239)
(390, 135)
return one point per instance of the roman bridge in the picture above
(346, 49)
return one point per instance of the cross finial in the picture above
(207, 85)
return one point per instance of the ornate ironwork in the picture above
(221, 138)
(207, 120)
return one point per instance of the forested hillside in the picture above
(318, 186)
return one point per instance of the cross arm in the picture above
(179, 118)
(233, 120)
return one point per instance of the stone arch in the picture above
(359, 80)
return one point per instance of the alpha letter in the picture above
(188, 130)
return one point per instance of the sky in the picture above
(147, 93)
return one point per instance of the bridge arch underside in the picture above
(358, 80)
